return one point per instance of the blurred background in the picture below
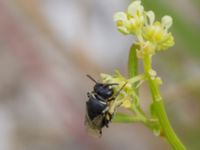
(48, 46)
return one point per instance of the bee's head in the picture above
(104, 90)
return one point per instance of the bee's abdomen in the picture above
(95, 108)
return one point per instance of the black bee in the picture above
(97, 107)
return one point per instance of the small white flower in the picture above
(158, 34)
(133, 20)
(122, 22)
(120, 16)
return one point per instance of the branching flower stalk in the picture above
(152, 37)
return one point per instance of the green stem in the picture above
(154, 87)
(124, 118)
(166, 126)
(160, 109)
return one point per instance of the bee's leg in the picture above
(107, 118)
(105, 122)
(105, 110)
(117, 94)
(111, 99)
(104, 114)
(89, 94)
(100, 131)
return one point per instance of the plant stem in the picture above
(124, 118)
(159, 107)
(166, 126)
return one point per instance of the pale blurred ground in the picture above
(46, 49)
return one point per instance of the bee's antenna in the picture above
(110, 84)
(118, 92)
(91, 78)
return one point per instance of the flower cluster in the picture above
(152, 35)
(125, 98)
(132, 21)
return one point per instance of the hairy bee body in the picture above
(97, 106)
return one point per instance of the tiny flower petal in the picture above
(159, 80)
(126, 102)
(166, 22)
(152, 73)
(151, 17)
(134, 8)
(123, 30)
(120, 16)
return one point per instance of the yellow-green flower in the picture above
(131, 21)
(141, 23)
(146, 48)
(122, 22)
(125, 97)
(157, 32)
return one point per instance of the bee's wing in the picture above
(94, 126)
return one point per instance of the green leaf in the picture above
(133, 62)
